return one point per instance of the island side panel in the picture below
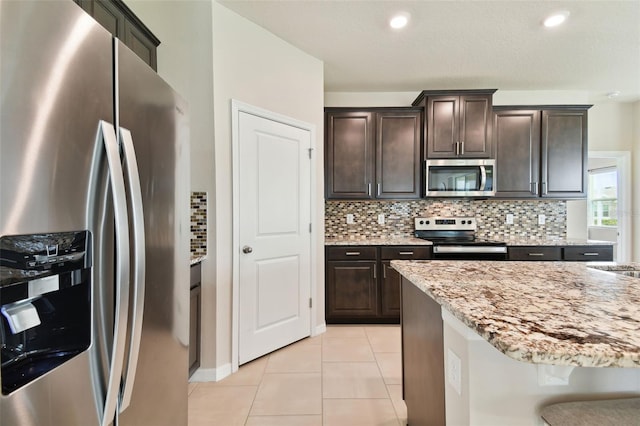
(422, 357)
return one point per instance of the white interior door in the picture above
(274, 235)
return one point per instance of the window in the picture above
(603, 197)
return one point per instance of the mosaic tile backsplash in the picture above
(198, 224)
(490, 216)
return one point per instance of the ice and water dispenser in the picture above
(45, 303)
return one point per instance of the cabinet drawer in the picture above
(195, 275)
(352, 253)
(405, 252)
(535, 253)
(589, 253)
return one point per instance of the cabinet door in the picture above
(475, 126)
(352, 290)
(121, 22)
(398, 154)
(564, 153)
(516, 136)
(390, 291)
(194, 330)
(442, 126)
(107, 14)
(588, 253)
(141, 45)
(535, 253)
(349, 154)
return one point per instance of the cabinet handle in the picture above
(536, 254)
(462, 148)
(379, 189)
(405, 253)
(384, 272)
(458, 148)
(591, 254)
(353, 253)
(375, 267)
(534, 188)
(544, 188)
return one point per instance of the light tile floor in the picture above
(348, 376)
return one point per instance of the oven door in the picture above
(460, 178)
(469, 252)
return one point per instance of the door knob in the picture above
(247, 249)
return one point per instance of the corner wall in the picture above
(635, 190)
(185, 61)
(253, 66)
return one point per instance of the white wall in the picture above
(185, 61)
(257, 68)
(211, 55)
(635, 167)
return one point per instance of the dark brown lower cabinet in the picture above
(194, 319)
(389, 291)
(422, 357)
(361, 286)
(574, 253)
(352, 289)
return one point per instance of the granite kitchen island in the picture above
(490, 343)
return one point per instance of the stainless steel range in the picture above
(455, 238)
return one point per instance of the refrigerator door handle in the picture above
(137, 220)
(107, 134)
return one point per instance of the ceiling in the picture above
(462, 44)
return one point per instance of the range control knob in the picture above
(427, 222)
(463, 222)
(422, 222)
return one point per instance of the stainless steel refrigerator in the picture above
(94, 232)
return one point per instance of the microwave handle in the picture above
(483, 178)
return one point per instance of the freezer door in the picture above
(156, 118)
(56, 84)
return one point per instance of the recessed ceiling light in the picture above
(399, 20)
(556, 19)
(613, 95)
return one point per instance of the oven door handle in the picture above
(469, 249)
(483, 178)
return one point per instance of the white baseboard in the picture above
(321, 328)
(211, 374)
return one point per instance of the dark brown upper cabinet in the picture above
(541, 151)
(372, 153)
(121, 22)
(457, 123)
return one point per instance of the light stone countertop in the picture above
(363, 241)
(559, 313)
(556, 242)
(197, 259)
(411, 240)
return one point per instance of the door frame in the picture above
(236, 108)
(623, 165)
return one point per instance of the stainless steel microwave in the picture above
(460, 178)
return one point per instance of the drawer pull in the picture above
(405, 253)
(590, 254)
(536, 254)
(353, 253)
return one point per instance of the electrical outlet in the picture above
(454, 371)
(381, 219)
(541, 219)
(509, 219)
(350, 220)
